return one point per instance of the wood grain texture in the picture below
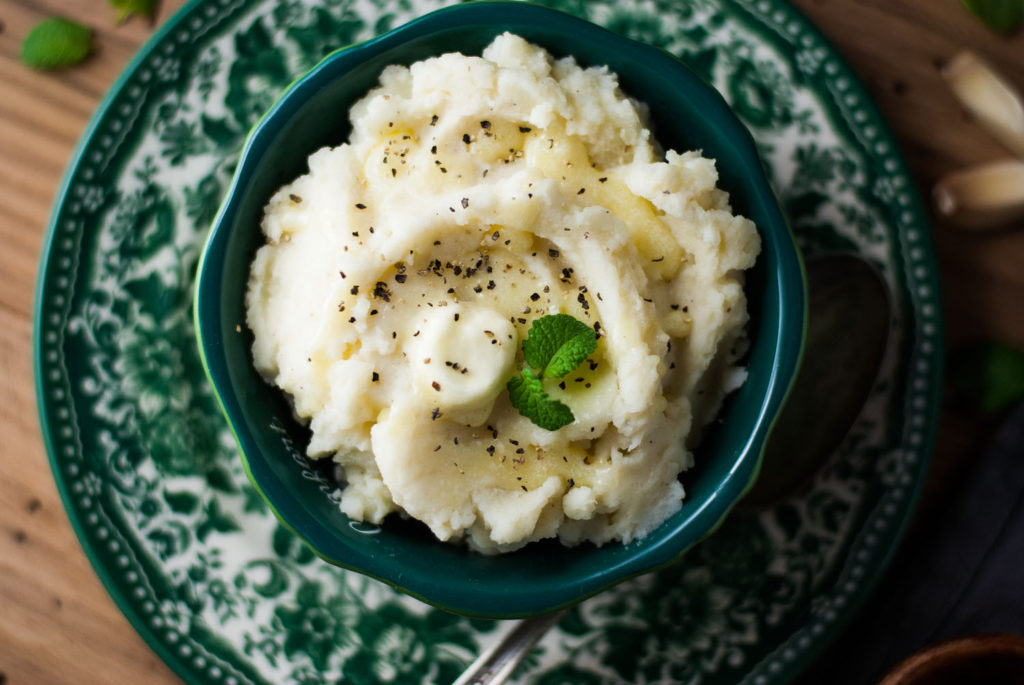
(58, 625)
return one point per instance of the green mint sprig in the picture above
(555, 346)
(56, 43)
(127, 8)
(1000, 15)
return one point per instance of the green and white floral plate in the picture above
(225, 595)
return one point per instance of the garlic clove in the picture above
(988, 97)
(986, 196)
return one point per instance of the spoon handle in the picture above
(495, 665)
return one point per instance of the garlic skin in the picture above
(988, 97)
(982, 197)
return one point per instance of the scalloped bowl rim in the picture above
(660, 549)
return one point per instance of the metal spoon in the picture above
(848, 325)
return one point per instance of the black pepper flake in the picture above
(342, 274)
(593, 364)
(373, 312)
(602, 179)
(586, 385)
(581, 191)
(477, 289)
(675, 307)
(597, 328)
(294, 198)
(534, 297)
(381, 291)
(437, 449)
(394, 172)
(490, 449)
(659, 259)
(647, 299)
(351, 319)
(491, 285)
(513, 442)
(571, 482)
(443, 170)
(355, 290)
(375, 377)
(485, 125)
(582, 299)
(521, 320)
(524, 488)
(520, 450)
(466, 139)
(433, 120)
(465, 203)
(400, 278)
(525, 129)
(355, 234)
(562, 385)
(686, 309)
(436, 386)
(360, 205)
(553, 253)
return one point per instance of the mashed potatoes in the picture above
(402, 273)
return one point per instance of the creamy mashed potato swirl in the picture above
(402, 273)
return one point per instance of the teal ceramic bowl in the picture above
(687, 114)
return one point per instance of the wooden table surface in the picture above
(57, 623)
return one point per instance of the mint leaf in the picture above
(557, 344)
(1000, 15)
(989, 375)
(55, 43)
(127, 8)
(526, 391)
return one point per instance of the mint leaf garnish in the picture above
(127, 8)
(1000, 15)
(555, 345)
(55, 43)
(528, 396)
